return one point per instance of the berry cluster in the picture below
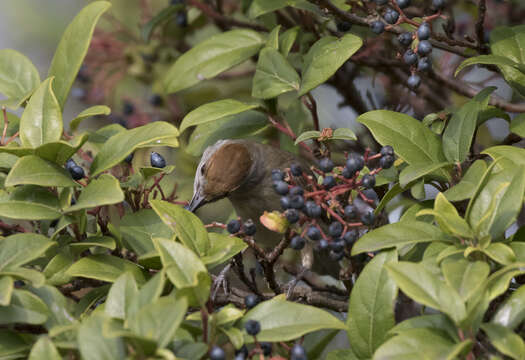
(417, 44)
(236, 227)
(339, 195)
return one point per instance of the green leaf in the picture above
(371, 308)
(283, 320)
(149, 293)
(102, 191)
(18, 76)
(183, 267)
(41, 121)
(93, 345)
(415, 280)
(435, 322)
(517, 126)
(343, 134)
(498, 282)
(187, 226)
(519, 250)
(6, 289)
(398, 235)
(60, 151)
(287, 40)
(459, 132)
(416, 344)
(261, 7)
(501, 253)
(512, 312)
(34, 277)
(56, 268)
(448, 218)
(512, 153)
(273, 75)
(140, 227)
(325, 57)
(343, 354)
(465, 276)
(44, 349)
(104, 242)
(211, 57)
(29, 202)
(501, 61)
(13, 345)
(466, 188)
(105, 268)
(19, 249)
(222, 248)
(161, 17)
(214, 111)
(505, 340)
(159, 320)
(273, 38)
(411, 140)
(89, 112)
(120, 295)
(24, 308)
(416, 171)
(307, 135)
(125, 142)
(36, 171)
(73, 47)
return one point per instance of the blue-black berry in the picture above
(253, 327)
(251, 301)
(129, 159)
(296, 170)
(298, 353)
(403, 3)
(313, 210)
(423, 31)
(368, 181)
(243, 351)
(234, 226)
(405, 38)
(280, 187)
(277, 175)
(371, 194)
(266, 348)
(292, 215)
(326, 165)
(387, 150)
(76, 172)
(297, 201)
(249, 227)
(414, 81)
(216, 353)
(156, 160)
(377, 27)
(386, 162)
(381, 2)
(329, 182)
(410, 57)
(156, 100)
(128, 108)
(297, 243)
(313, 233)
(424, 64)
(438, 4)
(285, 202)
(350, 237)
(344, 26)
(337, 245)
(347, 173)
(368, 217)
(181, 19)
(424, 48)
(323, 244)
(296, 190)
(335, 229)
(70, 163)
(350, 211)
(391, 16)
(355, 162)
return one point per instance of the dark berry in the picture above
(266, 348)
(249, 227)
(177, 2)
(387, 150)
(234, 226)
(391, 16)
(156, 160)
(410, 57)
(438, 4)
(18, 283)
(296, 190)
(329, 182)
(355, 162)
(70, 163)
(323, 244)
(368, 217)
(128, 108)
(337, 245)
(243, 351)
(371, 194)
(424, 64)
(292, 215)
(156, 100)
(253, 327)
(405, 38)
(280, 187)
(377, 27)
(216, 353)
(368, 181)
(297, 243)
(298, 353)
(129, 158)
(423, 31)
(296, 170)
(424, 48)
(335, 229)
(350, 211)
(344, 26)
(403, 3)
(413, 82)
(285, 202)
(313, 210)
(336, 255)
(297, 201)
(240, 357)
(181, 19)
(386, 162)
(326, 165)
(251, 301)
(277, 175)
(350, 237)
(76, 172)
(381, 2)
(313, 233)
(347, 173)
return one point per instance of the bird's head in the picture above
(223, 168)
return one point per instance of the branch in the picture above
(480, 29)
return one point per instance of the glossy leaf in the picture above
(222, 248)
(187, 226)
(467, 186)
(343, 134)
(140, 227)
(498, 282)
(464, 276)
(513, 153)
(501, 253)
(371, 307)
(41, 121)
(501, 61)
(435, 322)
(102, 191)
(273, 75)
(163, 16)
(73, 47)
(214, 111)
(93, 345)
(517, 126)
(6, 289)
(261, 7)
(287, 40)
(30, 202)
(283, 320)
(37, 171)
(89, 112)
(105, 268)
(125, 142)
(325, 57)
(24, 308)
(307, 135)
(44, 349)
(512, 312)
(416, 171)
(60, 151)
(19, 249)
(397, 235)
(120, 295)
(505, 340)
(211, 57)
(18, 76)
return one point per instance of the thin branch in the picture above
(480, 28)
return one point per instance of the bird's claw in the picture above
(220, 281)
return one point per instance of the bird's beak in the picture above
(196, 202)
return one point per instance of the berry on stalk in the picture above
(413, 82)
(156, 160)
(313, 210)
(329, 182)
(368, 181)
(355, 162)
(424, 48)
(252, 327)
(313, 233)
(292, 215)
(403, 3)
(251, 301)
(277, 175)
(280, 187)
(298, 353)
(249, 227)
(377, 27)
(76, 172)
(326, 165)
(423, 31)
(405, 38)
(234, 226)
(216, 353)
(335, 229)
(410, 57)
(391, 16)
(296, 170)
(386, 162)
(297, 243)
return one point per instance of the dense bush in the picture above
(99, 259)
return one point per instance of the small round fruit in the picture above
(424, 48)
(350, 211)
(329, 182)
(76, 172)
(423, 31)
(387, 150)
(296, 190)
(285, 202)
(297, 201)
(296, 170)
(297, 243)
(410, 57)
(350, 237)
(371, 194)
(326, 164)
(249, 227)
(313, 233)
(313, 210)
(234, 226)
(252, 327)
(70, 163)
(355, 162)
(405, 38)
(424, 64)
(129, 159)
(386, 162)
(338, 245)
(368, 217)
(369, 181)
(391, 16)
(277, 175)
(377, 27)
(216, 353)
(128, 108)
(156, 100)
(243, 351)
(414, 81)
(280, 187)
(438, 4)
(298, 353)
(403, 3)
(292, 215)
(335, 229)
(344, 26)
(323, 244)
(156, 160)
(266, 348)
(347, 174)
(251, 301)
(181, 19)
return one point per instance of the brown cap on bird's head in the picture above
(222, 169)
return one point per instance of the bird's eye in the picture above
(202, 170)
